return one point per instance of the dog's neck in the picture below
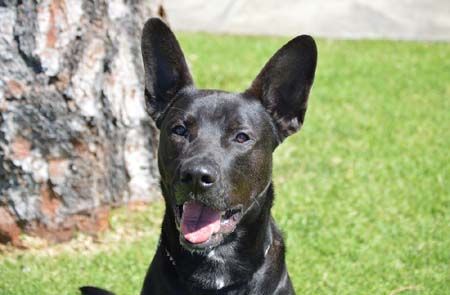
(247, 247)
(211, 254)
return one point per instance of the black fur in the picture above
(94, 291)
(216, 149)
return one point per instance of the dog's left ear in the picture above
(283, 84)
(166, 71)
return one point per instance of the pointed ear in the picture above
(166, 71)
(283, 84)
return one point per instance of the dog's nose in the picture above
(200, 177)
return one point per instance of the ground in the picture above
(362, 192)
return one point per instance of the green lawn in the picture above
(363, 193)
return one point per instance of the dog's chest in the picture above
(219, 277)
(217, 271)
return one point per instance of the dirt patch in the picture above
(127, 224)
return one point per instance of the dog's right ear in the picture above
(166, 71)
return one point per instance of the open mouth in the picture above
(202, 227)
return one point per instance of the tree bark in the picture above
(74, 135)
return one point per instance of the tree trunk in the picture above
(74, 135)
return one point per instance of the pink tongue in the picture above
(198, 222)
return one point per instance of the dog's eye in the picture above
(242, 137)
(179, 130)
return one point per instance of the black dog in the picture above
(215, 161)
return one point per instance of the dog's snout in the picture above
(199, 176)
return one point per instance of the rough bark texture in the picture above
(74, 135)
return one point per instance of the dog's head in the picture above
(215, 152)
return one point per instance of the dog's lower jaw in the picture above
(205, 271)
(229, 220)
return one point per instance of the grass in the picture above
(362, 191)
